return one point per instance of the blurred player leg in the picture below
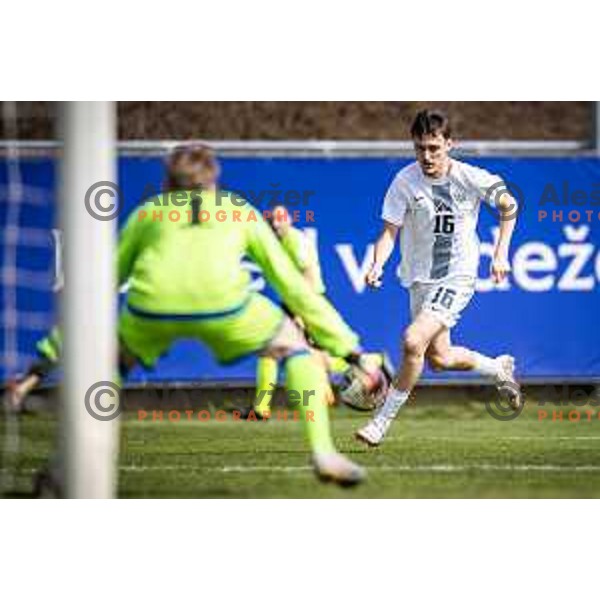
(49, 350)
(308, 386)
(266, 381)
(326, 362)
(19, 390)
(267, 369)
(308, 381)
(51, 346)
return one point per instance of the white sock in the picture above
(394, 401)
(486, 366)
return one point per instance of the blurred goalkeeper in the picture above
(181, 253)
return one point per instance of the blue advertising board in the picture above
(547, 314)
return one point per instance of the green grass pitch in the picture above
(447, 450)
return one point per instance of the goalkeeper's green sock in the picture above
(266, 382)
(307, 378)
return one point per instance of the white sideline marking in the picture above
(225, 469)
(512, 438)
(436, 468)
(550, 438)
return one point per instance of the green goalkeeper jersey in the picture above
(186, 262)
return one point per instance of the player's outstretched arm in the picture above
(322, 321)
(383, 250)
(508, 208)
(298, 249)
(312, 276)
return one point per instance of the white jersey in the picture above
(439, 220)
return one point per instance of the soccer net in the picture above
(28, 279)
(73, 451)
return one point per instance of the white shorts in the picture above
(444, 299)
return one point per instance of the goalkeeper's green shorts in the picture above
(230, 335)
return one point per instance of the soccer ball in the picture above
(365, 386)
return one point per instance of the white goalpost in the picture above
(89, 440)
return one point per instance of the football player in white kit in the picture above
(434, 204)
